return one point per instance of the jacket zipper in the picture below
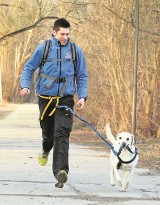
(57, 57)
(60, 65)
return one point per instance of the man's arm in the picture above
(82, 79)
(31, 65)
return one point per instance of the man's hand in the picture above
(80, 104)
(24, 91)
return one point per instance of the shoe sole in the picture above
(59, 185)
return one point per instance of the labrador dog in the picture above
(126, 141)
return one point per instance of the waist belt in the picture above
(50, 98)
(57, 80)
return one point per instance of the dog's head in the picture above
(125, 139)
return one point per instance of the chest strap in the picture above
(57, 80)
(59, 59)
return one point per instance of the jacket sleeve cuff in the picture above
(85, 98)
(24, 87)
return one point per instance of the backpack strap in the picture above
(74, 58)
(47, 49)
(53, 79)
(46, 52)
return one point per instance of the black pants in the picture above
(56, 131)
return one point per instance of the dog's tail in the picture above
(110, 137)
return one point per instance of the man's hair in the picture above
(63, 23)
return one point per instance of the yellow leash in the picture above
(50, 98)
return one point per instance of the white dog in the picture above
(128, 153)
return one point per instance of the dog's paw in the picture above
(124, 187)
(123, 190)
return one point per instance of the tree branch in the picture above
(131, 22)
(10, 5)
(27, 28)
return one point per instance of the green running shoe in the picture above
(43, 159)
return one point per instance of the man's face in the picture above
(62, 35)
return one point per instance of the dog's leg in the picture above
(124, 180)
(128, 179)
(117, 176)
(112, 176)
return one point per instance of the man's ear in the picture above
(54, 32)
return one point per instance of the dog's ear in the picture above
(117, 136)
(133, 141)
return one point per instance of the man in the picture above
(56, 86)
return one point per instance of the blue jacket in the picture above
(59, 65)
